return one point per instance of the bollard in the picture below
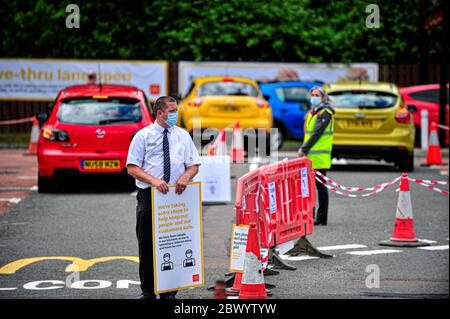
(424, 129)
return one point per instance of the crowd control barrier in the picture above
(288, 196)
(280, 199)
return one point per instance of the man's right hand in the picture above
(161, 185)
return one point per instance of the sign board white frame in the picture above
(178, 261)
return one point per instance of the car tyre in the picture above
(406, 162)
(46, 184)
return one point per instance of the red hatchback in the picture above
(89, 130)
(424, 97)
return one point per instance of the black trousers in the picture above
(144, 235)
(322, 211)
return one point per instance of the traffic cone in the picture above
(404, 234)
(211, 149)
(253, 286)
(34, 137)
(219, 290)
(237, 153)
(221, 148)
(434, 156)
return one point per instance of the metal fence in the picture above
(400, 74)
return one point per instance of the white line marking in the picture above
(3, 289)
(133, 193)
(252, 167)
(297, 258)
(338, 247)
(427, 241)
(374, 252)
(13, 200)
(445, 173)
(443, 247)
(232, 297)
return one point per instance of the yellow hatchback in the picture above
(219, 102)
(372, 122)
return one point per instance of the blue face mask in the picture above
(172, 119)
(315, 100)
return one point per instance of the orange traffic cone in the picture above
(221, 148)
(434, 156)
(34, 137)
(219, 290)
(404, 234)
(211, 149)
(253, 286)
(237, 153)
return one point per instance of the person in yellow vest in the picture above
(318, 143)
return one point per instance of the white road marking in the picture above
(374, 252)
(297, 258)
(341, 161)
(232, 297)
(133, 193)
(338, 247)
(427, 241)
(442, 247)
(6, 289)
(252, 167)
(445, 173)
(13, 200)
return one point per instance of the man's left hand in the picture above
(182, 183)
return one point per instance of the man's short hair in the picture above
(161, 102)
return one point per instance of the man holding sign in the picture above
(160, 155)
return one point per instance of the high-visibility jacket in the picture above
(320, 152)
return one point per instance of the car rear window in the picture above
(227, 88)
(363, 99)
(292, 94)
(91, 111)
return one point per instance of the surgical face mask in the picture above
(315, 100)
(172, 119)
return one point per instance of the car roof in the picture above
(415, 88)
(369, 86)
(104, 89)
(204, 79)
(290, 84)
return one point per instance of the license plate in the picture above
(228, 108)
(100, 164)
(359, 124)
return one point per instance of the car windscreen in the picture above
(227, 88)
(363, 99)
(90, 111)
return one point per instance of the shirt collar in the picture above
(161, 129)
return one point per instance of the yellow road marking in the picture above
(78, 264)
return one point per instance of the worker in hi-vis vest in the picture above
(317, 144)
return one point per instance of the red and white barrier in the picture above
(17, 121)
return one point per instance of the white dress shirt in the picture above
(146, 151)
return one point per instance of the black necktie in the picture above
(166, 157)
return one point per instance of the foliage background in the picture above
(217, 30)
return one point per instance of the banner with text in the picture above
(265, 72)
(42, 79)
(177, 239)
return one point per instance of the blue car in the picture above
(289, 102)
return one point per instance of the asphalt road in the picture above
(95, 218)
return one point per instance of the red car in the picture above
(89, 130)
(424, 97)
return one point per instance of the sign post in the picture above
(177, 239)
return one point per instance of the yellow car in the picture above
(219, 102)
(372, 122)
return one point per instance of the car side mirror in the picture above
(42, 117)
(266, 97)
(304, 106)
(412, 108)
